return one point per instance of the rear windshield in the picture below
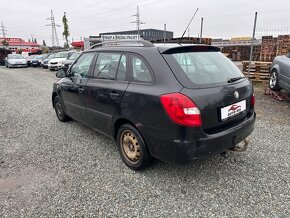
(61, 55)
(202, 69)
(74, 56)
(15, 56)
(50, 56)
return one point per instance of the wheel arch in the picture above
(276, 68)
(53, 97)
(119, 122)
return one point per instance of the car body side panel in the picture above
(282, 65)
(102, 100)
(72, 95)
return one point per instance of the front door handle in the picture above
(114, 95)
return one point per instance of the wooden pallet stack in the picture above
(242, 52)
(283, 44)
(268, 48)
(259, 71)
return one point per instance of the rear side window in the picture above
(202, 69)
(140, 70)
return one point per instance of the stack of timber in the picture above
(259, 71)
(242, 52)
(268, 48)
(283, 45)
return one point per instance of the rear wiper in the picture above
(235, 79)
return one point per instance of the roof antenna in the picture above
(187, 26)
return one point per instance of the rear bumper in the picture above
(198, 146)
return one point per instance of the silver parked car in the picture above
(15, 60)
(280, 73)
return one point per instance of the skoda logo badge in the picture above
(236, 94)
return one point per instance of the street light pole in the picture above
(252, 44)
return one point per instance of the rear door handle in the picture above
(81, 89)
(114, 95)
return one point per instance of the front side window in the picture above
(140, 71)
(107, 66)
(82, 65)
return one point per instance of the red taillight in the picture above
(253, 100)
(181, 109)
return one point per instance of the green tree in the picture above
(66, 32)
(35, 41)
(5, 43)
(29, 40)
(43, 43)
(44, 49)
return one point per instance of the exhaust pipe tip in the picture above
(242, 146)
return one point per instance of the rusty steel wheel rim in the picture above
(130, 146)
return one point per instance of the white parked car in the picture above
(59, 58)
(15, 60)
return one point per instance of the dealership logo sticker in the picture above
(236, 94)
(234, 109)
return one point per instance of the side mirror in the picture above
(60, 73)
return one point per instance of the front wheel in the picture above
(59, 110)
(132, 148)
(274, 81)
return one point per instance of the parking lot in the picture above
(49, 168)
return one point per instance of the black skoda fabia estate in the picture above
(169, 101)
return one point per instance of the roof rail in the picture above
(116, 43)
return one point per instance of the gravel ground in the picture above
(54, 169)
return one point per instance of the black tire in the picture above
(59, 110)
(132, 148)
(274, 81)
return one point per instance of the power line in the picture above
(54, 38)
(263, 31)
(98, 2)
(88, 18)
(3, 28)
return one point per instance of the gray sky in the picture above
(222, 18)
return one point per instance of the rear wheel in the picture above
(59, 110)
(132, 148)
(274, 81)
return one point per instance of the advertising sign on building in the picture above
(119, 37)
